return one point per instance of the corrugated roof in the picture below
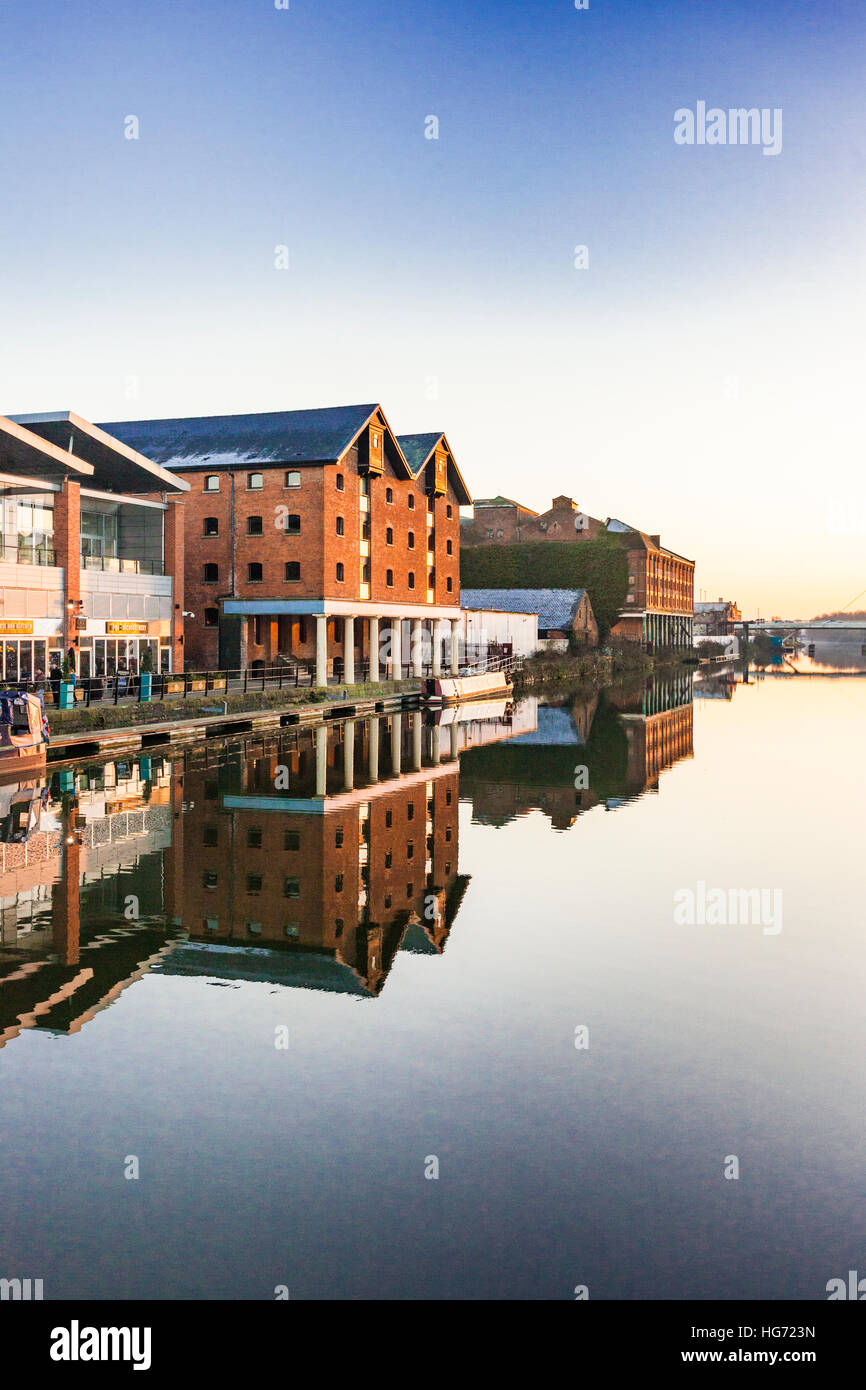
(283, 436)
(555, 607)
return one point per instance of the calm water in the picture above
(426, 937)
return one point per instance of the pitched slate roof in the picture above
(417, 448)
(283, 436)
(555, 607)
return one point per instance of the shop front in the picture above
(115, 649)
(28, 649)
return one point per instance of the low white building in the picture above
(486, 629)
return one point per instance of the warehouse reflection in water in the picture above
(308, 860)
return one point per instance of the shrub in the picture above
(599, 566)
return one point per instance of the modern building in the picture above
(91, 551)
(563, 616)
(315, 537)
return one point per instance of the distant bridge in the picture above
(795, 625)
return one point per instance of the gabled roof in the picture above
(503, 502)
(418, 450)
(282, 436)
(111, 462)
(555, 607)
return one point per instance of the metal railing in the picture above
(124, 688)
(118, 565)
(26, 554)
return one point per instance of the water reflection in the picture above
(624, 740)
(307, 860)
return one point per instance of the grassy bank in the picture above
(110, 716)
(619, 663)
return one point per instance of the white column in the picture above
(417, 733)
(416, 647)
(373, 752)
(437, 648)
(374, 649)
(455, 751)
(455, 646)
(349, 756)
(436, 753)
(396, 736)
(349, 650)
(396, 649)
(321, 649)
(322, 760)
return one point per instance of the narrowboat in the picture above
(453, 690)
(23, 735)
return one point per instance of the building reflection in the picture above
(309, 859)
(328, 850)
(623, 740)
(75, 853)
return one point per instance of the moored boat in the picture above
(23, 735)
(453, 690)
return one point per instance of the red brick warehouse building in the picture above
(316, 536)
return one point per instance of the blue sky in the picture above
(699, 378)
